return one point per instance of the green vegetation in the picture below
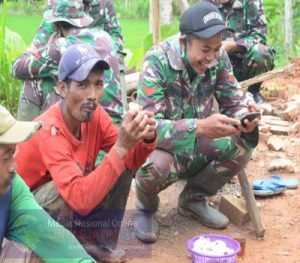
(27, 26)
(11, 45)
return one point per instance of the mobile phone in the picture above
(250, 117)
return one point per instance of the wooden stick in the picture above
(251, 204)
(183, 5)
(288, 27)
(156, 21)
(266, 76)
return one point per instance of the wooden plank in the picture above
(251, 204)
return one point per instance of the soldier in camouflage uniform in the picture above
(179, 79)
(104, 18)
(247, 45)
(38, 94)
(39, 68)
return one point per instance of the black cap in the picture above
(203, 20)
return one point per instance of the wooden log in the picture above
(251, 204)
(266, 76)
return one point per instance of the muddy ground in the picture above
(280, 214)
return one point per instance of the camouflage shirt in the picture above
(103, 13)
(165, 89)
(247, 18)
(40, 69)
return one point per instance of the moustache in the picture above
(90, 105)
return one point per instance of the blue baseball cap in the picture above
(77, 62)
(203, 20)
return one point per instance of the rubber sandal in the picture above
(278, 181)
(289, 183)
(267, 188)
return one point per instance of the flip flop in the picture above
(277, 180)
(267, 188)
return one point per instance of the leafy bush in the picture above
(275, 15)
(11, 44)
(138, 55)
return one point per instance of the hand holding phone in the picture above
(250, 117)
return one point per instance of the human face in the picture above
(7, 166)
(81, 98)
(203, 52)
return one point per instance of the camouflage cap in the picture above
(68, 11)
(13, 131)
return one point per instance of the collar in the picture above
(174, 53)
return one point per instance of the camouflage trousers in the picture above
(99, 228)
(258, 60)
(226, 157)
(13, 252)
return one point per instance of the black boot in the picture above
(146, 216)
(192, 201)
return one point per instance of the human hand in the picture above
(216, 126)
(253, 107)
(150, 128)
(135, 126)
(149, 132)
(229, 46)
(32, 49)
(52, 38)
(249, 122)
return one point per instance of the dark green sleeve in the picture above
(30, 225)
(174, 136)
(43, 34)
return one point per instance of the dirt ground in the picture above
(280, 214)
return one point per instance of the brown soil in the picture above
(280, 214)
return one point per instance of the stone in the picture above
(269, 117)
(234, 208)
(291, 112)
(264, 128)
(266, 108)
(275, 143)
(263, 137)
(279, 122)
(279, 130)
(295, 97)
(295, 128)
(284, 165)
